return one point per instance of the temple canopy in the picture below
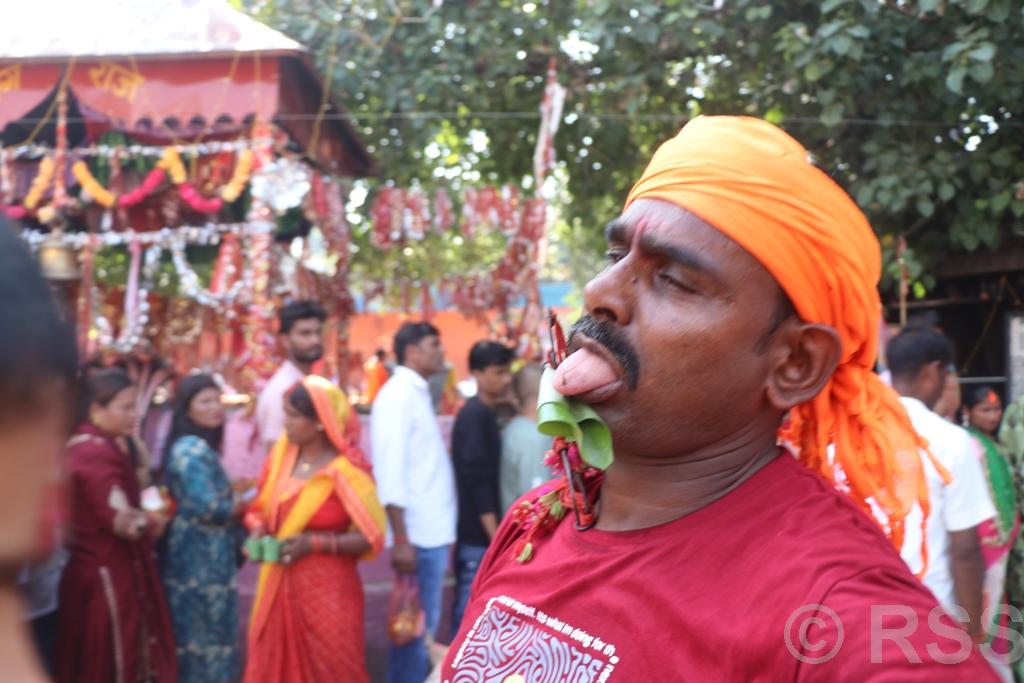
(167, 71)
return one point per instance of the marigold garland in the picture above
(170, 164)
(44, 176)
(87, 180)
(243, 169)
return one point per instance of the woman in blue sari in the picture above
(199, 558)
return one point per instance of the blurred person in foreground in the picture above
(301, 333)
(740, 289)
(113, 621)
(199, 557)
(38, 363)
(523, 448)
(984, 410)
(315, 516)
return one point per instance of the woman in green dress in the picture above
(983, 411)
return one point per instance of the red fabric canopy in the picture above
(126, 90)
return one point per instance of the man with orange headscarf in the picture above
(741, 288)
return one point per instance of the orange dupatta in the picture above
(347, 476)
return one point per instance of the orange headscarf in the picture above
(347, 477)
(340, 422)
(755, 184)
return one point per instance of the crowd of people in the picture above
(142, 584)
(776, 509)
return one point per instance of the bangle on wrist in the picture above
(401, 538)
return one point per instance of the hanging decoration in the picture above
(61, 151)
(243, 168)
(444, 212)
(91, 186)
(210, 233)
(6, 178)
(136, 302)
(34, 151)
(221, 298)
(271, 194)
(83, 309)
(399, 215)
(170, 164)
(281, 184)
(550, 118)
(40, 184)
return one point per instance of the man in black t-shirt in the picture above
(476, 453)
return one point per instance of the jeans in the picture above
(410, 663)
(467, 563)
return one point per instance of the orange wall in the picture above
(369, 331)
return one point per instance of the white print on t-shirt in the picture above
(512, 642)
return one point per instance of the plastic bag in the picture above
(406, 620)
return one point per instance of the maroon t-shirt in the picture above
(783, 579)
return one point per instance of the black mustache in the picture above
(610, 337)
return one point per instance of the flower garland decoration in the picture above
(6, 177)
(224, 303)
(201, 149)
(165, 237)
(170, 161)
(101, 195)
(60, 194)
(150, 184)
(170, 164)
(42, 181)
(136, 297)
(243, 169)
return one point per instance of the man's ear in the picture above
(803, 358)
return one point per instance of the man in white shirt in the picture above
(300, 329)
(919, 358)
(415, 483)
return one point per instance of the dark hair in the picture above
(915, 347)
(410, 334)
(36, 344)
(484, 354)
(295, 311)
(300, 399)
(101, 386)
(182, 424)
(978, 394)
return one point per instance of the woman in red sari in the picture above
(113, 625)
(318, 501)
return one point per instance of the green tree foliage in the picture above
(912, 105)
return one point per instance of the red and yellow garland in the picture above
(171, 165)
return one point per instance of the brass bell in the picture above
(58, 260)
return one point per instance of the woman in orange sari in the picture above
(316, 513)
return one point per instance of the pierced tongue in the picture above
(581, 372)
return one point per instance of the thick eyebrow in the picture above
(618, 231)
(687, 258)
